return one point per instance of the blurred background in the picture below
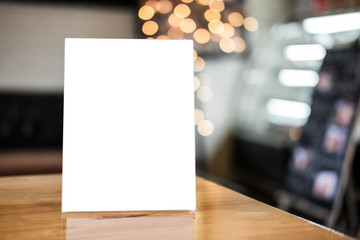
(276, 91)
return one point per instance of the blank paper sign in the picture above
(128, 125)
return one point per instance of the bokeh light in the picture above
(146, 12)
(236, 19)
(152, 3)
(150, 28)
(228, 31)
(174, 20)
(215, 37)
(162, 37)
(239, 44)
(227, 45)
(217, 4)
(203, 2)
(165, 6)
(196, 83)
(212, 24)
(182, 11)
(202, 36)
(205, 94)
(199, 64)
(199, 116)
(187, 25)
(216, 26)
(212, 14)
(175, 33)
(205, 128)
(251, 24)
(195, 55)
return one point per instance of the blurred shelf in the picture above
(30, 162)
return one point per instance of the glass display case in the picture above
(276, 102)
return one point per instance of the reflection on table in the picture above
(30, 208)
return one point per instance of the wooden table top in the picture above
(30, 208)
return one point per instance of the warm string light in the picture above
(188, 25)
(199, 64)
(150, 28)
(182, 11)
(251, 24)
(199, 116)
(146, 12)
(212, 14)
(195, 55)
(162, 37)
(205, 128)
(185, 19)
(202, 36)
(165, 6)
(203, 2)
(175, 33)
(196, 83)
(227, 45)
(174, 20)
(210, 24)
(236, 19)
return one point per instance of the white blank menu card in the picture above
(128, 140)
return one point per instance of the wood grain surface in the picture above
(30, 208)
